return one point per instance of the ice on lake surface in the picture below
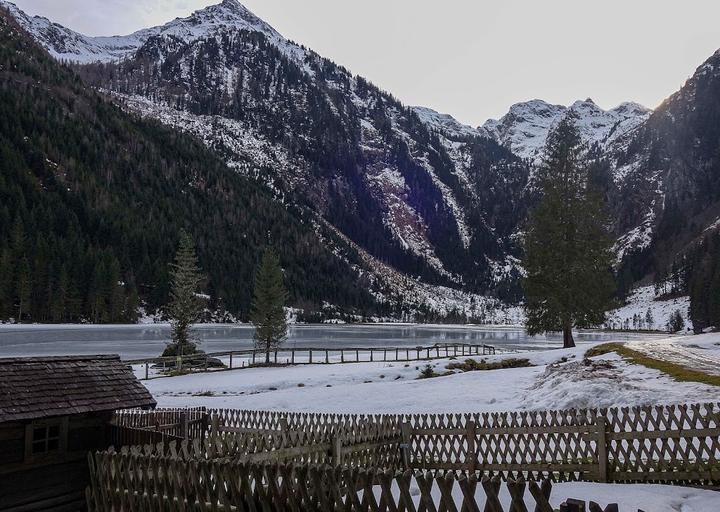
(140, 341)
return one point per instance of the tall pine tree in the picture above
(185, 306)
(268, 313)
(568, 258)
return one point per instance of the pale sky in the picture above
(470, 58)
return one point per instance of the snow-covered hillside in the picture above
(643, 311)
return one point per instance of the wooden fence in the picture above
(158, 425)
(145, 483)
(235, 359)
(664, 444)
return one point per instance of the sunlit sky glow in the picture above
(472, 59)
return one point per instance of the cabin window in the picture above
(45, 438)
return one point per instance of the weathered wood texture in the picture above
(152, 483)
(171, 424)
(54, 481)
(40, 387)
(675, 443)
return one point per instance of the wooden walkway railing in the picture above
(235, 359)
(663, 444)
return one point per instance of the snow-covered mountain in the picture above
(413, 189)
(319, 137)
(447, 124)
(66, 44)
(526, 126)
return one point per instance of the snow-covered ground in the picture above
(560, 379)
(629, 497)
(643, 299)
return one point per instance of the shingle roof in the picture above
(37, 387)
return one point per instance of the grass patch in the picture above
(674, 370)
(471, 365)
(204, 393)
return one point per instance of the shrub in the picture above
(471, 365)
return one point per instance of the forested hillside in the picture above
(92, 201)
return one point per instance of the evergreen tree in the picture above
(676, 322)
(649, 320)
(568, 259)
(268, 313)
(185, 306)
(6, 284)
(23, 288)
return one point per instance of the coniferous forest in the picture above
(92, 201)
(94, 193)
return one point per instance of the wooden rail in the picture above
(146, 483)
(310, 355)
(663, 444)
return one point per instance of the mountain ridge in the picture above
(416, 189)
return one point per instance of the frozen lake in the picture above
(139, 341)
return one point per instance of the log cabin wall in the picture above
(54, 480)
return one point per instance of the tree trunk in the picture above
(267, 354)
(568, 341)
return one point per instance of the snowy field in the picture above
(560, 379)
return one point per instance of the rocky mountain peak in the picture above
(526, 126)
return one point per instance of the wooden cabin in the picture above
(53, 411)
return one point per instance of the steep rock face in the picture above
(674, 160)
(92, 201)
(413, 188)
(334, 142)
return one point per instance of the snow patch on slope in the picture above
(447, 124)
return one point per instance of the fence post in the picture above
(310, 357)
(215, 426)
(337, 451)
(184, 425)
(342, 356)
(405, 446)
(327, 357)
(147, 370)
(231, 360)
(471, 456)
(284, 428)
(601, 423)
(292, 356)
